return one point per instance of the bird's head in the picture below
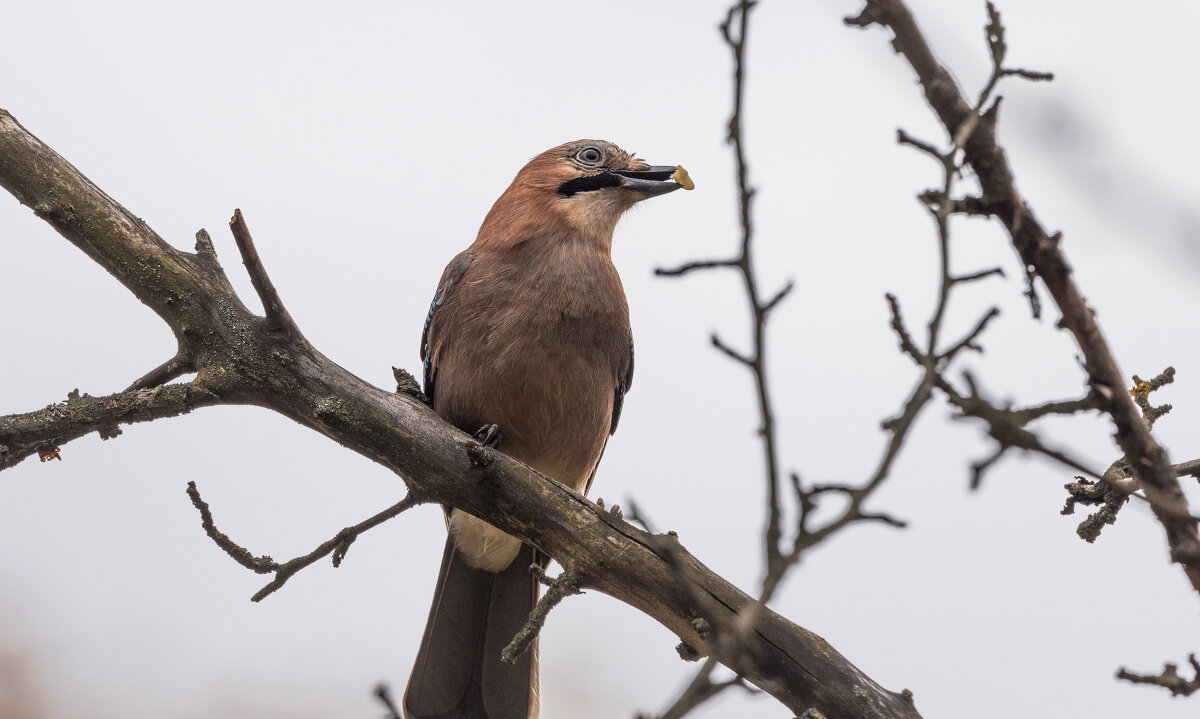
(586, 184)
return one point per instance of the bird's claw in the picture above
(489, 435)
(614, 510)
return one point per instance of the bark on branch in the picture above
(240, 358)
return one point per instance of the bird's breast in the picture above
(539, 353)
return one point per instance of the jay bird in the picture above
(529, 330)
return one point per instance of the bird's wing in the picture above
(450, 279)
(622, 387)
(618, 402)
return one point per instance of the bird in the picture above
(528, 333)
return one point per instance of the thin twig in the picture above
(173, 368)
(1168, 679)
(782, 293)
(559, 588)
(1041, 253)
(1141, 395)
(699, 690)
(338, 545)
(241, 555)
(907, 345)
(731, 352)
(276, 314)
(974, 276)
(968, 342)
(692, 266)
(383, 693)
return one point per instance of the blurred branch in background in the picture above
(973, 131)
(971, 146)
(782, 549)
(1168, 679)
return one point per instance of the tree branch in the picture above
(559, 588)
(1168, 679)
(173, 368)
(278, 319)
(22, 435)
(338, 546)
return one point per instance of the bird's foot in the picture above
(614, 510)
(489, 435)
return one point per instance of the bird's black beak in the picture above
(656, 180)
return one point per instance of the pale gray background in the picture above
(365, 144)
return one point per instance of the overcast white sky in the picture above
(365, 144)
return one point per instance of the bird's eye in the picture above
(589, 154)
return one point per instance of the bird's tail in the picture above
(475, 614)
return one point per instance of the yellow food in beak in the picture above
(680, 176)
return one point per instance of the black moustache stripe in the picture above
(587, 184)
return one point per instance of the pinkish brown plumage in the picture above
(529, 330)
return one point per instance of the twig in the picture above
(383, 693)
(1004, 426)
(559, 588)
(904, 138)
(1070, 406)
(276, 314)
(968, 342)
(1141, 395)
(1042, 252)
(699, 690)
(974, 276)
(241, 555)
(731, 353)
(995, 37)
(1168, 679)
(692, 266)
(1191, 468)
(1108, 496)
(907, 345)
(173, 368)
(778, 297)
(338, 545)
